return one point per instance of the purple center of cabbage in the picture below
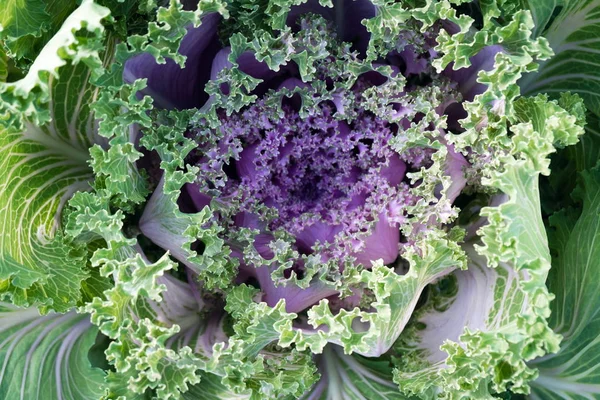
(335, 184)
(319, 171)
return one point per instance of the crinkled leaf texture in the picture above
(497, 319)
(129, 312)
(483, 353)
(471, 340)
(48, 131)
(29, 24)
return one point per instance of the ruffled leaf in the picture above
(487, 348)
(126, 314)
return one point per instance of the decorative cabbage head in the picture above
(286, 198)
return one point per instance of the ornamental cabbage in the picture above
(299, 199)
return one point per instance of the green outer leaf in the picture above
(514, 234)
(211, 388)
(129, 312)
(46, 357)
(28, 97)
(574, 35)
(542, 11)
(574, 372)
(40, 168)
(22, 18)
(29, 25)
(164, 223)
(353, 377)
(45, 136)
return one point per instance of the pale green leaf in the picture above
(352, 377)
(46, 357)
(574, 36)
(574, 372)
(211, 388)
(40, 168)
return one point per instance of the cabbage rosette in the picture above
(279, 199)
